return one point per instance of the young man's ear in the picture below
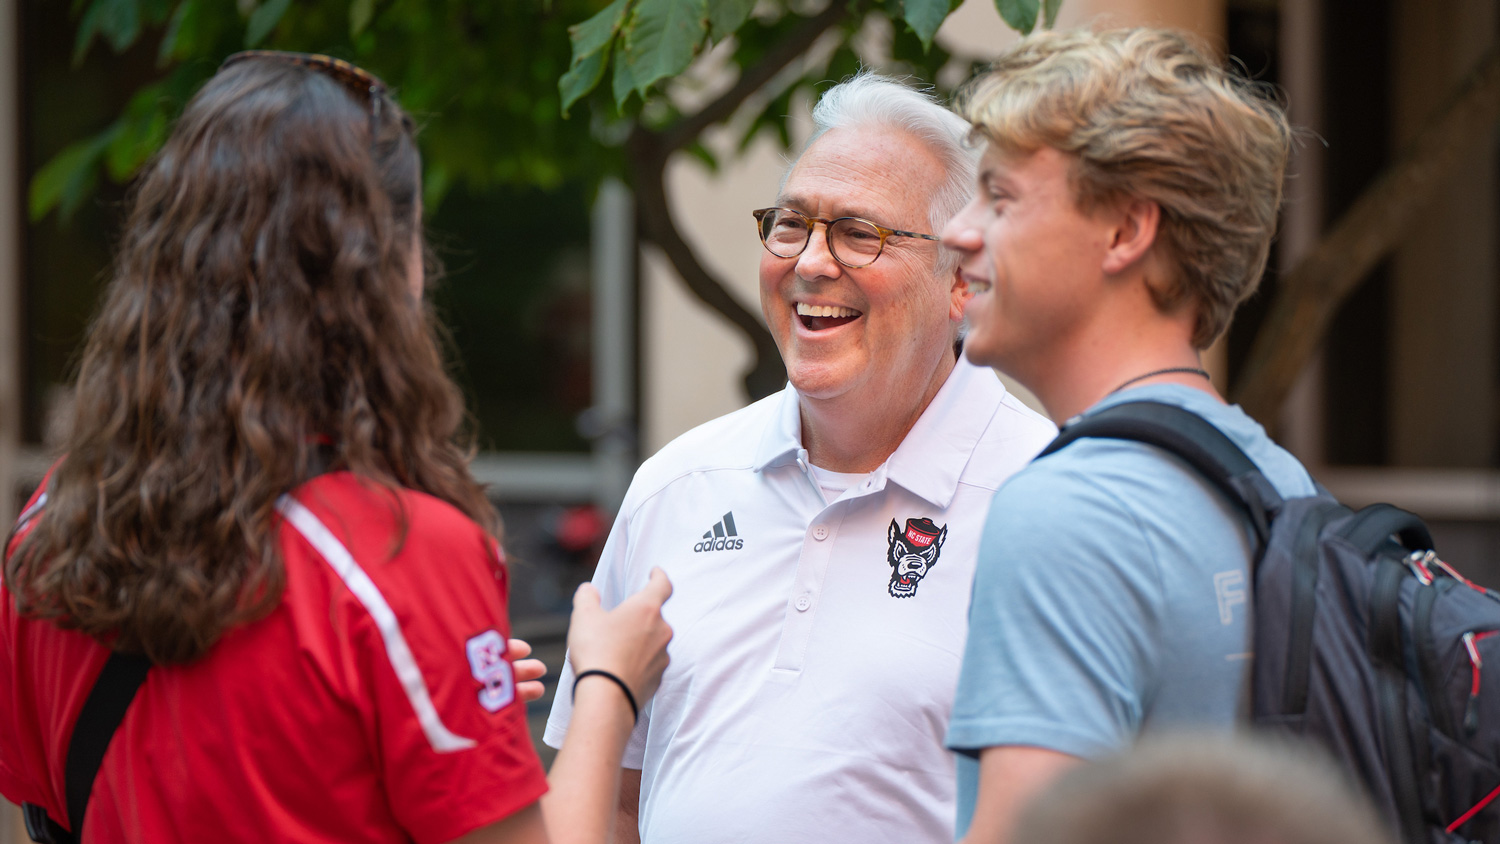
(959, 296)
(1134, 232)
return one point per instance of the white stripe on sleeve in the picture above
(405, 664)
(30, 512)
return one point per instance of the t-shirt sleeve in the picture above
(1065, 610)
(448, 728)
(13, 785)
(615, 582)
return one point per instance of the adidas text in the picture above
(723, 544)
(721, 537)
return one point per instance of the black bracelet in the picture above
(635, 712)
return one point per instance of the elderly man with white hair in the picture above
(822, 541)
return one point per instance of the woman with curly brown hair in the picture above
(264, 520)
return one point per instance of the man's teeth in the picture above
(825, 311)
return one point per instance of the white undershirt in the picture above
(834, 484)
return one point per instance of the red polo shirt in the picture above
(373, 705)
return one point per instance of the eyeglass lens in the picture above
(852, 241)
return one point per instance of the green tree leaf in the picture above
(65, 181)
(138, 133)
(582, 78)
(361, 12)
(263, 20)
(624, 83)
(661, 39)
(925, 16)
(119, 21)
(598, 31)
(177, 38)
(1049, 12)
(592, 42)
(725, 17)
(1019, 15)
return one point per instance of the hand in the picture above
(529, 672)
(629, 641)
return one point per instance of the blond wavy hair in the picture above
(1148, 114)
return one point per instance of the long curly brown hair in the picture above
(261, 325)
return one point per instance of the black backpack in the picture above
(1365, 641)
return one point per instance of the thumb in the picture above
(587, 597)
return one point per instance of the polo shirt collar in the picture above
(933, 455)
(930, 460)
(782, 441)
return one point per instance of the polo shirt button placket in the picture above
(820, 532)
(803, 603)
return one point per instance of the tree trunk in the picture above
(1310, 295)
(648, 153)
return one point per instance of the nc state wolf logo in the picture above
(912, 553)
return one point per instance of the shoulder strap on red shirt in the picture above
(102, 713)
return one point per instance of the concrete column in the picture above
(613, 415)
(1300, 32)
(1443, 400)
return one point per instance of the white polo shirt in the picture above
(810, 687)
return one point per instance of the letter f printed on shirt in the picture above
(1229, 589)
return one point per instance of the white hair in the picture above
(870, 100)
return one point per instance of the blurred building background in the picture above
(582, 353)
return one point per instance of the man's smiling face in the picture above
(877, 330)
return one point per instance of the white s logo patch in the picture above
(486, 654)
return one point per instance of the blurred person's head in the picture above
(859, 312)
(1205, 789)
(1090, 134)
(264, 322)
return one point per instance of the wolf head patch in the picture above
(912, 553)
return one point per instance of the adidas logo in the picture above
(721, 537)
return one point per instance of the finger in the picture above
(517, 649)
(587, 597)
(658, 588)
(529, 669)
(530, 690)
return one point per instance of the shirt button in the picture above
(803, 602)
(820, 533)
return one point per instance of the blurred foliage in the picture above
(493, 82)
(654, 40)
(490, 81)
(479, 76)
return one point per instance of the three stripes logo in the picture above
(721, 537)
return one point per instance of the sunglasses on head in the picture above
(363, 84)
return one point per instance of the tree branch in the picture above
(654, 219)
(784, 53)
(648, 153)
(1312, 292)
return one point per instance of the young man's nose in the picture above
(961, 234)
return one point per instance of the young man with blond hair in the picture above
(1127, 197)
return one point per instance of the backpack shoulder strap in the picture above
(100, 717)
(1190, 437)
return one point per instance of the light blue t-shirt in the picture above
(1110, 597)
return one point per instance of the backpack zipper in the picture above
(1476, 665)
(1417, 561)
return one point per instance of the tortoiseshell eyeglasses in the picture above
(853, 241)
